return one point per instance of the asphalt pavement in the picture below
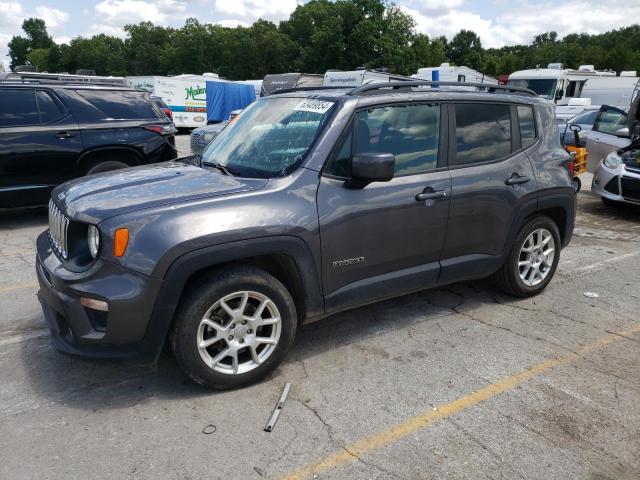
(458, 382)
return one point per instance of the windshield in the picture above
(544, 87)
(270, 137)
(584, 118)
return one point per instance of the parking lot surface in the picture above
(458, 382)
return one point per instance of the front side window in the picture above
(271, 137)
(410, 132)
(483, 132)
(610, 120)
(18, 107)
(527, 126)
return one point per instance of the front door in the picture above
(385, 238)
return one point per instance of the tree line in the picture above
(317, 36)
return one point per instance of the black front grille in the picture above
(633, 168)
(630, 188)
(58, 229)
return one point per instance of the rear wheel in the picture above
(533, 259)
(233, 327)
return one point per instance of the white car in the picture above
(609, 133)
(617, 176)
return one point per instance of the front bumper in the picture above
(620, 184)
(124, 331)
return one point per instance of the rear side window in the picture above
(483, 132)
(527, 126)
(49, 109)
(18, 107)
(119, 104)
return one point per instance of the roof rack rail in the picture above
(308, 89)
(489, 87)
(62, 78)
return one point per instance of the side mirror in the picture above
(623, 132)
(372, 167)
(559, 94)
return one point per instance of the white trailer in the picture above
(184, 94)
(449, 73)
(357, 78)
(563, 85)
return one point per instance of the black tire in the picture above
(201, 295)
(106, 166)
(576, 183)
(508, 277)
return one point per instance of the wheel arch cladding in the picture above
(287, 258)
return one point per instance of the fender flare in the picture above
(110, 148)
(185, 266)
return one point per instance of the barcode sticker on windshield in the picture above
(310, 105)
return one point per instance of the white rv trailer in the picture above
(561, 85)
(449, 73)
(357, 78)
(184, 94)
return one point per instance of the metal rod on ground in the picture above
(276, 412)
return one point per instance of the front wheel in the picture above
(233, 327)
(533, 259)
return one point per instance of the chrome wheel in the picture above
(239, 332)
(536, 258)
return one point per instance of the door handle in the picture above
(516, 179)
(421, 197)
(64, 135)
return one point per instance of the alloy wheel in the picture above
(239, 332)
(536, 258)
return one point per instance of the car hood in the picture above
(98, 197)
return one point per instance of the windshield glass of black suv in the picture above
(270, 138)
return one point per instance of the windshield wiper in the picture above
(226, 170)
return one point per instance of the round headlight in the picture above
(93, 239)
(612, 161)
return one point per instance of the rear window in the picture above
(18, 107)
(120, 104)
(49, 109)
(527, 126)
(483, 132)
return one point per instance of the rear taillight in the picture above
(168, 113)
(572, 166)
(161, 129)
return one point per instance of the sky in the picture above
(497, 22)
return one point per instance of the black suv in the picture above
(310, 203)
(52, 133)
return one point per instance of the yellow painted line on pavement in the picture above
(402, 430)
(18, 287)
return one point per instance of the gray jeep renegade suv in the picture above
(313, 202)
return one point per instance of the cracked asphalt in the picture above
(458, 382)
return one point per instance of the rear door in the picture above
(602, 139)
(385, 238)
(492, 177)
(39, 145)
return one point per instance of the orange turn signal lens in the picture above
(120, 241)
